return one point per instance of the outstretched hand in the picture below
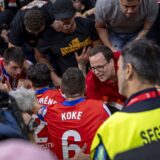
(83, 58)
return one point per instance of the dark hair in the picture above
(39, 74)
(108, 54)
(14, 54)
(34, 20)
(73, 82)
(144, 56)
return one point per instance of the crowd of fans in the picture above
(80, 79)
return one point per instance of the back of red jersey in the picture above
(72, 126)
(46, 97)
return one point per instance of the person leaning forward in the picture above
(138, 71)
(121, 21)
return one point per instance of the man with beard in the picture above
(121, 21)
(76, 35)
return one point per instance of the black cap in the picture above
(63, 9)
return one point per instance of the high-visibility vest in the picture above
(124, 131)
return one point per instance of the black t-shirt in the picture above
(89, 4)
(63, 46)
(18, 35)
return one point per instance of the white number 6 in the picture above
(73, 147)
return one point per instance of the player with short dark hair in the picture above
(73, 89)
(75, 121)
(40, 76)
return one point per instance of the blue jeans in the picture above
(119, 40)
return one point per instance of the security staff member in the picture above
(139, 122)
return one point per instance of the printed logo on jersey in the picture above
(75, 45)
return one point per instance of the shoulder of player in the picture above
(55, 108)
(96, 107)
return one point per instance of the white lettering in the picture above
(79, 115)
(71, 116)
(74, 115)
(63, 116)
(40, 101)
(66, 146)
(46, 101)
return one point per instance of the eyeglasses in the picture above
(99, 68)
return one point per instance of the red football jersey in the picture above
(73, 123)
(46, 97)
